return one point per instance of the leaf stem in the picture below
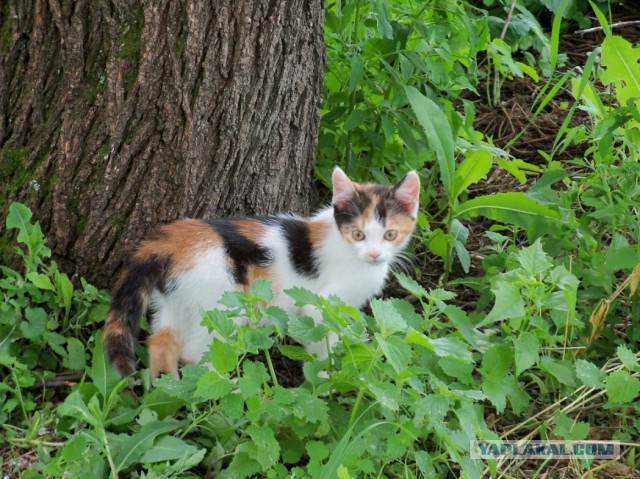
(272, 371)
(356, 405)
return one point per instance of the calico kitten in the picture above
(345, 250)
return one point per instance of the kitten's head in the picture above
(376, 219)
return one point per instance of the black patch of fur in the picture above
(301, 252)
(128, 305)
(240, 249)
(140, 277)
(353, 208)
(120, 352)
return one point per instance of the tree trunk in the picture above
(119, 115)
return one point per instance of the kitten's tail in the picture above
(131, 297)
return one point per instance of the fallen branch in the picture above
(613, 25)
(63, 380)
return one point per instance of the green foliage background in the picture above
(549, 346)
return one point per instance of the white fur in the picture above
(346, 270)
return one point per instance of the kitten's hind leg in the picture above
(164, 352)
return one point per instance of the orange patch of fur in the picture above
(403, 224)
(253, 230)
(258, 272)
(182, 241)
(317, 231)
(164, 352)
(114, 327)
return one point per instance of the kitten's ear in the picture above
(407, 192)
(343, 188)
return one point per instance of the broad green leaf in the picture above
(388, 127)
(103, 375)
(41, 281)
(450, 347)
(357, 69)
(185, 387)
(168, 448)
(569, 429)
(75, 407)
(303, 296)
(343, 472)
(424, 461)
(317, 450)
(257, 339)
(533, 259)
(438, 132)
(309, 407)
(387, 318)
(64, 287)
(495, 391)
(496, 361)
(526, 351)
(295, 352)
(407, 311)
(279, 318)
(411, 285)
(622, 388)
(509, 303)
(625, 257)
(267, 448)
(76, 359)
(517, 394)
(561, 369)
(442, 347)
(35, 324)
(455, 368)
(217, 320)
(461, 250)
(511, 208)
(213, 386)
(354, 119)
(222, 356)
(387, 395)
(620, 61)
(232, 405)
(243, 464)
(590, 375)
(20, 217)
(439, 242)
(511, 167)
(132, 448)
(384, 27)
(304, 330)
(261, 288)
(628, 358)
(161, 403)
(397, 352)
(254, 375)
(474, 168)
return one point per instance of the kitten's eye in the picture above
(390, 235)
(357, 235)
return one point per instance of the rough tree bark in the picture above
(118, 115)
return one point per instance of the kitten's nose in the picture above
(374, 255)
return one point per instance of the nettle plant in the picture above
(599, 205)
(43, 322)
(403, 394)
(374, 51)
(393, 102)
(535, 308)
(396, 400)
(384, 400)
